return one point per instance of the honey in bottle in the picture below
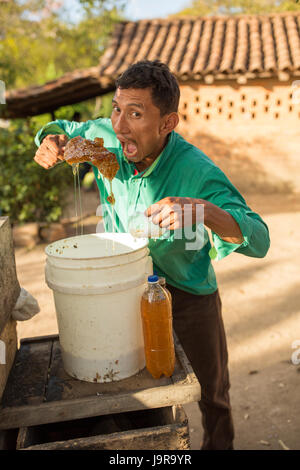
(156, 311)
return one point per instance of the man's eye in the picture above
(115, 108)
(136, 114)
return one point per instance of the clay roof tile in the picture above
(204, 47)
(293, 40)
(192, 47)
(214, 45)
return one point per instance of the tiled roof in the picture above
(69, 89)
(195, 47)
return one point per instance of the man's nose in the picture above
(120, 124)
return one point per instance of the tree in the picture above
(27, 191)
(234, 7)
(40, 42)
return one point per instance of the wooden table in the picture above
(38, 399)
(39, 391)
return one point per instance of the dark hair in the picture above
(157, 76)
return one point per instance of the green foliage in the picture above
(90, 109)
(105, 107)
(39, 42)
(234, 7)
(28, 192)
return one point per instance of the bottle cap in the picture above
(153, 278)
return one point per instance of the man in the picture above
(162, 172)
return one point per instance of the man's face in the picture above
(138, 124)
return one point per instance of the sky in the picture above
(143, 9)
(137, 9)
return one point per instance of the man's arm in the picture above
(219, 190)
(52, 138)
(60, 126)
(171, 212)
(221, 222)
(234, 226)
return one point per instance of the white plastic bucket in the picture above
(98, 281)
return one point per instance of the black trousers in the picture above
(197, 321)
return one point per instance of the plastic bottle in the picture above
(156, 311)
(162, 283)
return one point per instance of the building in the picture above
(240, 88)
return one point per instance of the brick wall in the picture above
(251, 130)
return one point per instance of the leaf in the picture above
(213, 253)
(237, 7)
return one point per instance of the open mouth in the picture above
(129, 149)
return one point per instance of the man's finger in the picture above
(53, 147)
(154, 209)
(41, 162)
(54, 154)
(62, 147)
(167, 220)
(164, 213)
(60, 157)
(171, 219)
(51, 155)
(45, 157)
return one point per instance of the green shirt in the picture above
(181, 170)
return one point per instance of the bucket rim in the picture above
(96, 257)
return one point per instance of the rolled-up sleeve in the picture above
(221, 192)
(60, 126)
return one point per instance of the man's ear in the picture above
(170, 122)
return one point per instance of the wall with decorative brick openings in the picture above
(252, 131)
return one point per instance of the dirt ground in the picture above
(261, 310)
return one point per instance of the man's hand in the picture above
(177, 212)
(51, 150)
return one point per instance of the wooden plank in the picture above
(25, 437)
(62, 386)
(65, 410)
(39, 339)
(8, 348)
(63, 398)
(28, 378)
(169, 437)
(9, 285)
(162, 433)
(184, 373)
(64, 431)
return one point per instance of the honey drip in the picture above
(112, 201)
(84, 150)
(77, 199)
